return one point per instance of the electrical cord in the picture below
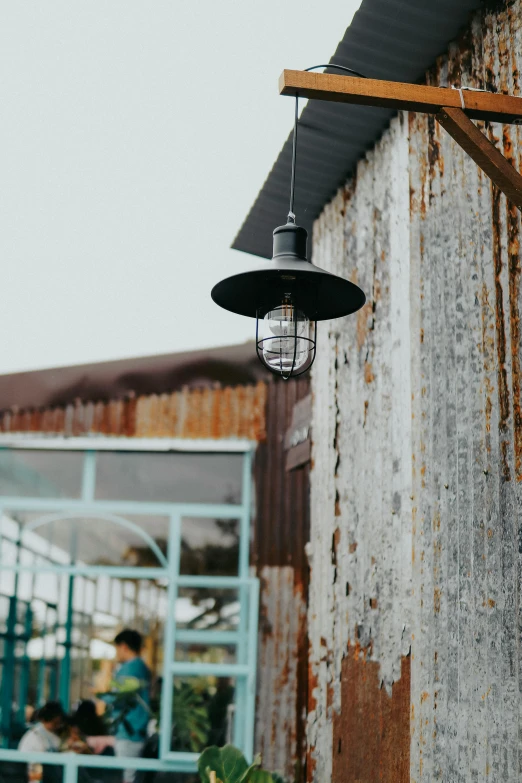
(340, 67)
(291, 215)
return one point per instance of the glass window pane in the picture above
(98, 541)
(207, 608)
(202, 712)
(4, 610)
(169, 477)
(209, 547)
(8, 578)
(42, 474)
(206, 653)
(9, 529)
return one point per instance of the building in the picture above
(414, 612)
(156, 494)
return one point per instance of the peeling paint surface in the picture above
(416, 482)
(281, 530)
(282, 628)
(360, 549)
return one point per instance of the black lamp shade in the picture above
(319, 294)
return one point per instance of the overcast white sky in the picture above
(134, 138)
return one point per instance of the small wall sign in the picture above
(298, 441)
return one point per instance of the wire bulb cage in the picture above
(286, 340)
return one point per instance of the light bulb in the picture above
(284, 344)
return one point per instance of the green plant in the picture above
(230, 766)
(122, 696)
(190, 724)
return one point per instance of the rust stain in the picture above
(514, 269)
(283, 668)
(435, 157)
(336, 538)
(436, 599)
(503, 391)
(364, 317)
(197, 413)
(302, 686)
(313, 684)
(504, 460)
(368, 373)
(412, 198)
(513, 252)
(371, 735)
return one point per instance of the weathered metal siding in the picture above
(416, 483)
(465, 257)
(278, 551)
(230, 412)
(360, 550)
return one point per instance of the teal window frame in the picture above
(244, 638)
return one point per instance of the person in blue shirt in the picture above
(130, 698)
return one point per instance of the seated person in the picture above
(44, 736)
(74, 740)
(92, 727)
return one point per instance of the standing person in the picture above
(130, 706)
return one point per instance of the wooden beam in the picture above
(483, 152)
(398, 95)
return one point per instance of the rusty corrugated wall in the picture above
(230, 412)
(278, 552)
(414, 615)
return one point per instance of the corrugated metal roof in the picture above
(233, 412)
(388, 39)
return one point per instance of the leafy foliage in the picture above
(124, 696)
(261, 776)
(230, 766)
(190, 724)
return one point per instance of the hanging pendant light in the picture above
(288, 295)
